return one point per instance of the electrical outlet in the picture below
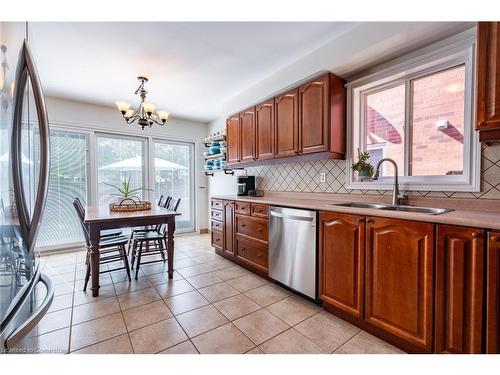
(322, 177)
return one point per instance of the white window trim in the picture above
(457, 50)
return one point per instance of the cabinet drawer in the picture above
(242, 208)
(252, 227)
(260, 210)
(217, 225)
(217, 215)
(217, 240)
(252, 253)
(217, 204)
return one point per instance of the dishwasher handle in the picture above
(291, 217)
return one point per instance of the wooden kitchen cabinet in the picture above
(233, 139)
(488, 81)
(287, 124)
(247, 126)
(314, 115)
(228, 223)
(264, 130)
(341, 261)
(459, 289)
(493, 293)
(399, 279)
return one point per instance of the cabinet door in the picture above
(459, 289)
(247, 123)
(233, 138)
(314, 110)
(341, 261)
(488, 81)
(493, 294)
(264, 123)
(287, 124)
(229, 227)
(399, 281)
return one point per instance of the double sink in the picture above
(397, 207)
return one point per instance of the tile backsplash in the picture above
(304, 177)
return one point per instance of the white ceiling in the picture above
(193, 67)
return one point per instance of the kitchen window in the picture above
(419, 111)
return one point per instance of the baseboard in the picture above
(204, 231)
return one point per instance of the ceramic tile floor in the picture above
(211, 306)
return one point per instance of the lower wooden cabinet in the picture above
(459, 289)
(341, 261)
(240, 232)
(252, 253)
(493, 293)
(228, 214)
(399, 279)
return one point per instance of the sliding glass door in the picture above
(173, 164)
(67, 180)
(119, 159)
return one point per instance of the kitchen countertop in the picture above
(462, 217)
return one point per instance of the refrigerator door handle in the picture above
(26, 68)
(33, 320)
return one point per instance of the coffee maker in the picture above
(245, 184)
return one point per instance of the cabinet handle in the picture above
(243, 225)
(259, 256)
(217, 239)
(260, 211)
(475, 234)
(369, 221)
(243, 249)
(361, 220)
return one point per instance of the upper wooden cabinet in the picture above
(264, 128)
(233, 138)
(247, 126)
(399, 279)
(287, 124)
(459, 289)
(314, 115)
(488, 81)
(493, 293)
(306, 120)
(341, 261)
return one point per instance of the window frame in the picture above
(447, 54)
(192, 151)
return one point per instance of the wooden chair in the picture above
(105, 232)
(111, 248)
(151, 242)
(155, 228)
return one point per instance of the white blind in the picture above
(68, 180)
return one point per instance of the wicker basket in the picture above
(130, 204)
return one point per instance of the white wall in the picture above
(75, 114)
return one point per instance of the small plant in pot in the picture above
(363, 166)
(128, 201)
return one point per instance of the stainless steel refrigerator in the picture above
(24, 169)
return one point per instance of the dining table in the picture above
(98, 218)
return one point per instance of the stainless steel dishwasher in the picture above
(292, 249)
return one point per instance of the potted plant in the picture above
(128, 201)
(363, 166)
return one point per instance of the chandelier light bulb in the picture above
(122, 106)
(128, 113)
(149, 108)
(163, 115)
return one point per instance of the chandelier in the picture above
(145, 115)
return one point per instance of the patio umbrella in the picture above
(135, 163)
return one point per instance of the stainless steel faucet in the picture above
(396, 196)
